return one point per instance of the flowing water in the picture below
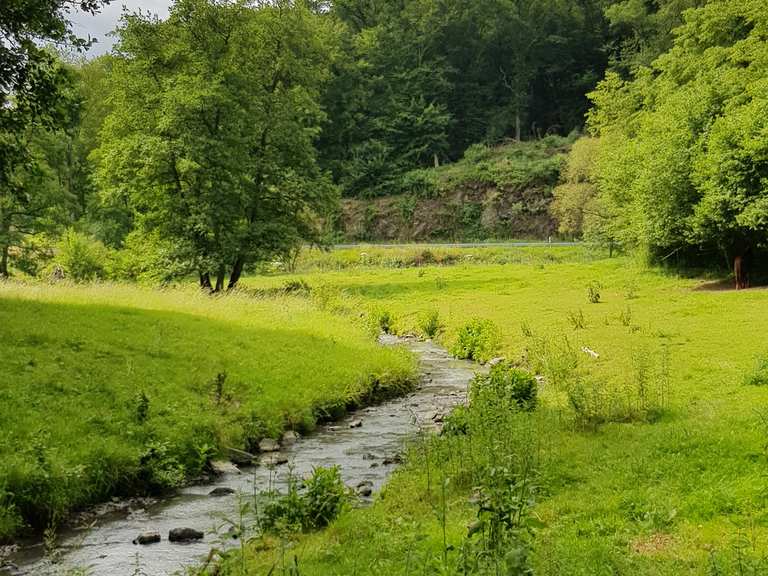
(364, 454)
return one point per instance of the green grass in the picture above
(112, 389)
(366, 257)
(680, 489)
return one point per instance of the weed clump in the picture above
(308, 505)
(477, 340)
(759, 376)
(506, 387)
(299, 287)
(577, 321)
(593, 292)
(385, 320)
(430, 324)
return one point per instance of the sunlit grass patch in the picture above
(113, 389)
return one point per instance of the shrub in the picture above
(82, 258)
(34, 255)
(430, 324)
(149, 257)
(759, 376)
(477, 340)
(457, 422)
(419, 183)
(160, 469)
(309, 505)
(505, 386)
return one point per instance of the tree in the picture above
(684, 146)
(28, 195)
(33, 97)
(211, 138)
(577, 205)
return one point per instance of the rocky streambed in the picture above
(365, 445)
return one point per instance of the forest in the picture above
(225, 136)
(546, 357)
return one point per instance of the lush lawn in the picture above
(676, 488)
(115, 390)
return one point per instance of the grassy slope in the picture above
(661, 498)
(75, 359)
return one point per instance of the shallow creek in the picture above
(365, 454)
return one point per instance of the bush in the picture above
(148, 257)
(34, 255)
(82, 258)
(477, 340)
(161, 470)
(506, 386)
(418, 183)
(313, 504)
(457, 423)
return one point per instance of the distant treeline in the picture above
(224, 135)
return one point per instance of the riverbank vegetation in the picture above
(121, 391)
(645, 455)
(216, 146)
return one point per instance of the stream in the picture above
(366, 455)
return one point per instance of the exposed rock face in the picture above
(147, 538)
(185, 535)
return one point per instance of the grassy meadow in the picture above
(646, 453)
(120, 390)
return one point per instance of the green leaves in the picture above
(684, 147)
(212, 137)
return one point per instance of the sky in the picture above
(106, 20)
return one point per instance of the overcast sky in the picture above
(101, 24)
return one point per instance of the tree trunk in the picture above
(205, 281)
(518, 129)
(4, 261)
(220, 280)
(741, 272)
(237, 271)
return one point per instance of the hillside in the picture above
(502, 192)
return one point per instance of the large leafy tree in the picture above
(683, 152)
(211, 138)
(36, 95)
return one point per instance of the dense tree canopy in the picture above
(211, 136)
(220, 137)
(684, 147)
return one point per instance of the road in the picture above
(458, 245)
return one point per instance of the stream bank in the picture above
(365, 445)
